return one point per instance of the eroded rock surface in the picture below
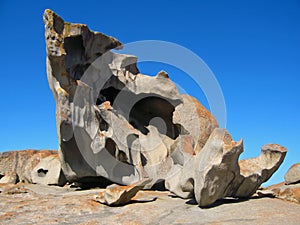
(116, 123)
(215, 172)
(112, 120)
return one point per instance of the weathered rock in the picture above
(256, 171)
(293, 174)
(22, 162)
(215, 173)
(113, 121)
(197, 121)
(283, 191)
(209, 175)
(48, 172)
(116, 195)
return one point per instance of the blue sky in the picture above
(252, 47)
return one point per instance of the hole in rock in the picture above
(148, 109)
(155, 111)
(1, 175)
(75, 57)
(58, 24)
(103, 125)
(111, 146)
(122, 157)
(41, 172)
(108, 94)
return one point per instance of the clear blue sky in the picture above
(252, 46)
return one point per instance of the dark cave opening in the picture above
(108, 94)
(75, 58)
(41, 172)
(145, 109)
(151, 107)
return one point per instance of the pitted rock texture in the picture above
(113, 122)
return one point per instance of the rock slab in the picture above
(116, 195)
(55, 205)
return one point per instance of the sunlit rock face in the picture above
(118, 124)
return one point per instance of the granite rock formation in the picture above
(116, 123)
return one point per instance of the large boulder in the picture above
(48, 172)
(114, 122)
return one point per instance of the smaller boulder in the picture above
(116, 195)
(293, 174)
(48, 172)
